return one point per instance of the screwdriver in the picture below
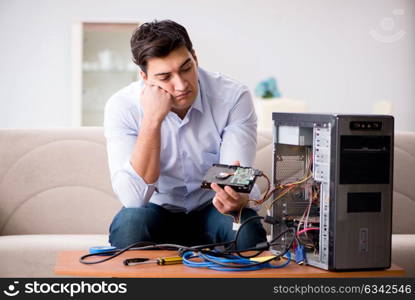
(161, 261)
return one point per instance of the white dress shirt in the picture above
(220, 127)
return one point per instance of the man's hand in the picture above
(156, 102)
(227, 200)
(145, 158)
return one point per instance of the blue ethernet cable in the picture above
(220, 263)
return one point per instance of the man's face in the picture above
(177, 74)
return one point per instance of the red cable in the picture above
(307, 229)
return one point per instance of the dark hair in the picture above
(157, 39)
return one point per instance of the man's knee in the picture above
(253, 232)
(133, 225)
(220, 228)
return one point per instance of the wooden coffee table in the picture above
(68, 264)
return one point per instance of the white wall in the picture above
(321, 51)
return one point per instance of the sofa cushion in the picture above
(263, 159)
(35, 255)
(403, 251)
(55, 181)
(403, 183)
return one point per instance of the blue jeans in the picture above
(153, 223)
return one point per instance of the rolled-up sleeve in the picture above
(240, 135)
(121, 134)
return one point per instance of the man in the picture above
(164, 132)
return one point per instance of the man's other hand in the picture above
(156, 102)
(226, 199)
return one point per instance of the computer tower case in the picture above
(334, 175)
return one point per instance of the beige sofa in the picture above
(55, 194)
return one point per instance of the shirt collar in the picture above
(198, 101)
